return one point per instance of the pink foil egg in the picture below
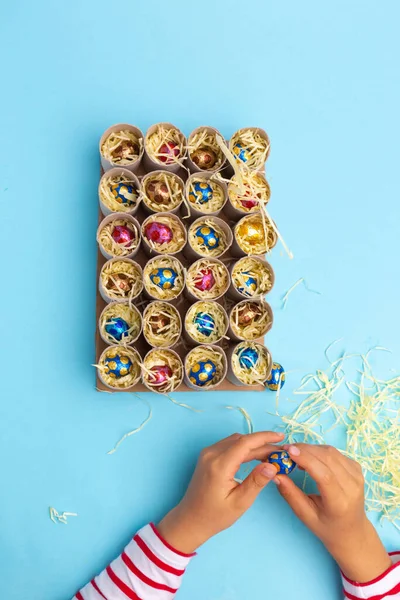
(123, 235)
(159, 233)
(205, 280)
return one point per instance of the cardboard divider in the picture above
(182, 303)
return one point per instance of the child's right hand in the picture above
(337, 516)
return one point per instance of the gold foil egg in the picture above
(253, 232)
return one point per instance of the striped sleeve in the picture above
(148, 569)
(386, 586)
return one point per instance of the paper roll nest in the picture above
(164, 278)
(249, 363)
(205, 367)
(204, 152)
(121, 145)
(119, 367)
(120, 323)
(206, 322)
(119, 191)
(163, 233)
(249, 195)
(250, 320)
(205, 194)
(207, 279)
(250, 146)
(162, 371)
(254, 235)
(208, 237)
(165, 147)
(162, 325)
(251, 276)
(118, 236)
(162, 192)
(120, 280)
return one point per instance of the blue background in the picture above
(322, 79)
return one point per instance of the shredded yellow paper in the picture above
(108, 198)
(57, 517)
(255, 190)
(122, 310)
(257, 326)
(164, 135)
(114, 249)
(126, 435)
(215, 331)
(294, 286)
(162, 358)
(254, 373)
(205, 139)
(161, 324)
(252, 268)
(122, 147)
(121, 279)
(249, 422)
(256, 147)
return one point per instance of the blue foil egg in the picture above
(124, 193)
(241, 153)
(205, 323)
(201, 193)
(164, 278)
(118, 365)
(117, 328)
(282, 462)
(202, 372)
(277, 378)
(248, 358)
(250, 286)
(209, 236)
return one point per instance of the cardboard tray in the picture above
(182, 304)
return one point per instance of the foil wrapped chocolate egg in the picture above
(160, 374)
(122, 235)
(126, 150)
(164, 278)
(208, 236)
(202, 372)
(205, 323)
(250, 286)
(241, 153)
(205, 280)
(168, 152)
(158, 192)
(204, 158)
(277, 378)
(248, 313)
(117, 327)
(253, 233)
(248, 202)
(248, 358)
(119, 282)
(282, 462)
(201, 192)
(124, 193)
(159, 233)
(117, 365)
(159, 322)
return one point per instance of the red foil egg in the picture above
(160, 374)
(205, 280)
(250, 203)
(168, 152)
(159, 233)
(123, 235)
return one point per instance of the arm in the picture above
(153, 563)
(337, 516)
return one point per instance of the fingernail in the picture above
(268, 471)
(277, 481)
(294, 450)
(286, 446)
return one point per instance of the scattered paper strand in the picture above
(126, 435)
(294, 286)
(60, 517)
(246, 415)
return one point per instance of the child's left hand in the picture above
(214, 500)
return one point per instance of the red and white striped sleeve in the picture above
(385, 586)
(148, 569)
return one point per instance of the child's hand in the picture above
(214, 500)
(337, 516)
